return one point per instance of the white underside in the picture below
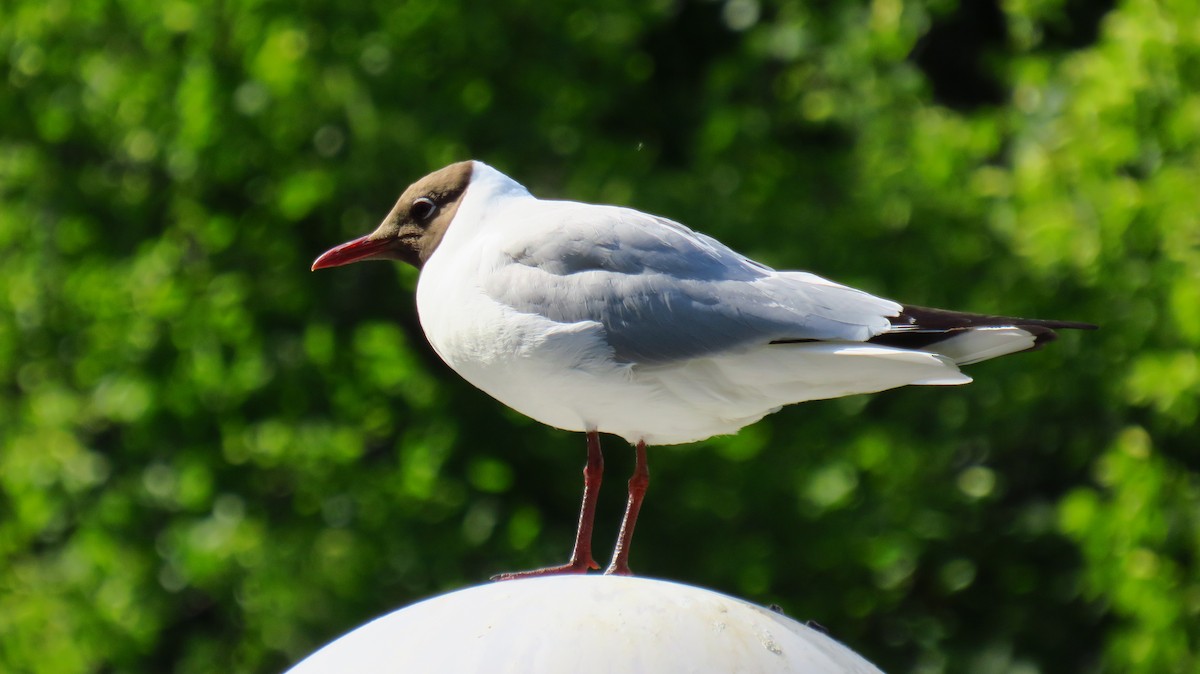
(563, 375)
(700, 398)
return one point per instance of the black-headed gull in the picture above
(605, 319)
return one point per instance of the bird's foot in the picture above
(618, 569)
(575, 566)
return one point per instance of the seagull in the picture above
(603, 319)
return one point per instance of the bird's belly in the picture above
(564, 375)
(611, 400)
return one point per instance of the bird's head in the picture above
(416, 225)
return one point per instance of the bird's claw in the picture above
(575, 566)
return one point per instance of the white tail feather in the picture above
(983, 343)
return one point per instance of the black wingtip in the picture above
(942, 319)
(918, 327)
(1044, 331)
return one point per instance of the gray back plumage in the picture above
(664, 293)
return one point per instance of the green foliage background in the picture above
(213, 460)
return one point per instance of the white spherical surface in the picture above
(584, 625)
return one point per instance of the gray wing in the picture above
(664, 293)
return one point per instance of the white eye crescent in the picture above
(422, 208)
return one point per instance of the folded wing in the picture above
(664, 293)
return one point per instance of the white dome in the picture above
(584, 625)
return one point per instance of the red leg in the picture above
(637, 491)
(581, 556)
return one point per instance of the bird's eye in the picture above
(422, 208)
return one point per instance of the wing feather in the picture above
(664, 293)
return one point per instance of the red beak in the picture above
(363, 248)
